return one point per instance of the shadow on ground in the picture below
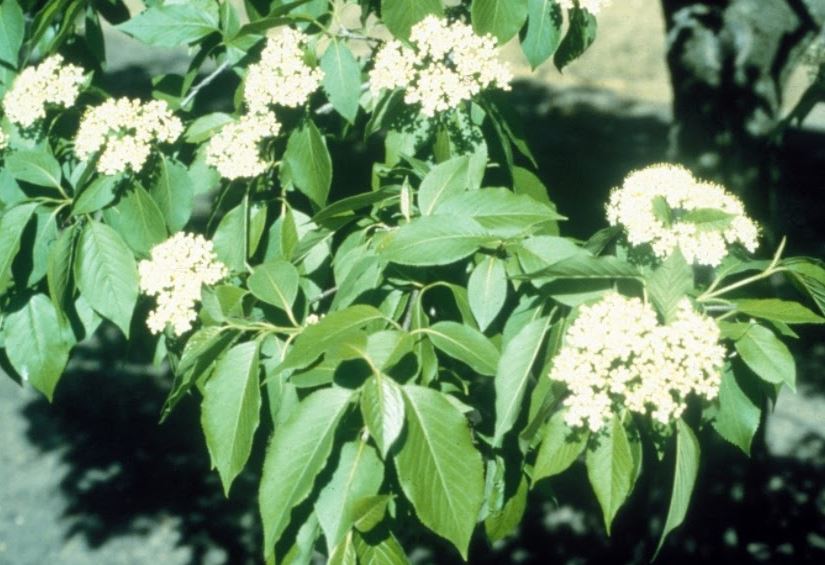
(126, 472)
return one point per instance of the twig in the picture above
(208, 79)
(327, 293)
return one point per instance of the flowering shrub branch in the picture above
(423, 349)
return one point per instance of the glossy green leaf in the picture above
(544, 21)
(611, 469)
(465, 344)
(400, 15)
(433, 240)
(231, 410)
(173, 191)
(106, 274)
(308, 163)
(382, 408)
(35, 166)
(580, 35)
(297, 453)
(737, 419)
(504, 523)
(778, 311)
(560, 447)
(12, 224)
(230, 239)
(500, 18)
(810, 275)
(98, 194)
(37, 343)
(766, 356)
(204, 127)
(487, 290)
(513, 374)
(444, 180)
(386, 551)
(59, 268)
(275, 282)
(438, 467)
(684, 478)
(669, 284)
(12, 32)
(359, 474)
(172, 25)
(137, 218)
(344, 553)
(588, 267)
(342, 79)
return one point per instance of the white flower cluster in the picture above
(633, 207)
(51, 83)
(123, 131)
(616, 354)
(592, 6)
(175, 273)
(235, 151)
(446, 64)
(282, 77)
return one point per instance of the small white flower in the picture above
(235, 151)
(51, 83)
(445, 64)
(616, 355)
(123, 131)
(175, 273)
(633, 207)
(281, 78)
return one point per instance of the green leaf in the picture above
(662, 211)
(669, 284)
(308, 163)
(382, 408)
(778, 311)
(487, 290)
(500, 211)
(766, 356)
(560, 447)
(137, 218)
(231, 410)
(500, 18)
(503, 523)
(342, 79)
(466, 344)
(708, 218)
(344, 553)
(433, 240)
(438, 467)
(544, 21)
(297, 453)
(98, 194)
(230, 239)
(738, 417)
(611, 469)
(172, 25)
(12, 224)
(810, 275)
(385, 552)
(106, 274)
(275, 282)
(579, 37)
(36, 343)
(400, 15)
(173, 191)
(35, 166)
(336, 326)
(206, 126)
(359, 474)
(12, 32)
(513, 374)
(587, 267)
(369, 511)
(444, 180)
(684, 478)
(59, 269)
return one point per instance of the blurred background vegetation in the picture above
(93, 478)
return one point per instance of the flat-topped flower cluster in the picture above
(616, 355)
(175, 273)
(51, 83)
(122, 132)
(445, 64)
(705, 220)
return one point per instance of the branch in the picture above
(207, 79)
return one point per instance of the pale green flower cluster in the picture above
(175, 273)
(633, 207)
(616, 355)
(445, 64)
